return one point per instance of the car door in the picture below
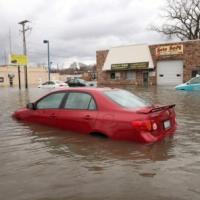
(79, 112)
(48, 108)
(76, 82)
(71, 83)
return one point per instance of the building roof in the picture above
(128, 54)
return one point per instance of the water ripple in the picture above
(38, 162)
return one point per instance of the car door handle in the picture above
(53, 116)
(87, 117)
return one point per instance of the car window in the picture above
(92, 105)
(82, 81)
(71, 81)
(76, 81)
(195, 80)
(46, 83)
(51, 83)
(51, 101)
(79, 100)
(126, 99)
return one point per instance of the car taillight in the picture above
(145, 125)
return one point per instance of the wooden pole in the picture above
(19, 77)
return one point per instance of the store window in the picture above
(117, 75)
(195, 72)
(130, 75)
(1, 79)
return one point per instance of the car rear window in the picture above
(126, 99)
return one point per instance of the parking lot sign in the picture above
(18, 59)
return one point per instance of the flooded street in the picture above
(43, 163)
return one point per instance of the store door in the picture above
(145, 78)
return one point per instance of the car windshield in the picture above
(58, 82)
(126, 99)
(81, 81)
(48, 83)
(195, 80)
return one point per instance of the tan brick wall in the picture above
(102, 77)
(36, 75)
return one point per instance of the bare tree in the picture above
(182, 19)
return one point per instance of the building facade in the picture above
(159, 64)
(9, 76)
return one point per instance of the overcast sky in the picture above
(76, 28)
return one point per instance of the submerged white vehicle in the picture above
(192, 85)
(53, 84)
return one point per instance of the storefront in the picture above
(161, 64)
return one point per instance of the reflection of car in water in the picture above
(53, 84)
(191, 85)
(67, 143)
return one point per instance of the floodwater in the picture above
(43, 163)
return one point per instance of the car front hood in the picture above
(18, 113)
(181, 85)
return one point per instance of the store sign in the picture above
(18, 59)
(169, 50)
(128, 66)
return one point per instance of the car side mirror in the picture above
(30, 106)
(187, 83)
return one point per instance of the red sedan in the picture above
(112, 113)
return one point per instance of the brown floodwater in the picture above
(43, 163)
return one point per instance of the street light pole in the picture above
(48, 53)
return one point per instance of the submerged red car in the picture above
(112, 113)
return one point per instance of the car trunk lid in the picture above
(154, 109)
(162, 118)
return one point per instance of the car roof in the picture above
(86, 89)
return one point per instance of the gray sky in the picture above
(76, 28)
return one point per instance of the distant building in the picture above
(36, 75)
(161, 64)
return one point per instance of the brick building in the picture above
(161, 64)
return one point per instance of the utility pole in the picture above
(48, 54)
(23, 23)
(5, 57)
(10, 42)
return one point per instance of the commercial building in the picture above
(9, 76)
(36, 75)
(159, 64)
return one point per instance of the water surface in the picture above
(43, 163)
